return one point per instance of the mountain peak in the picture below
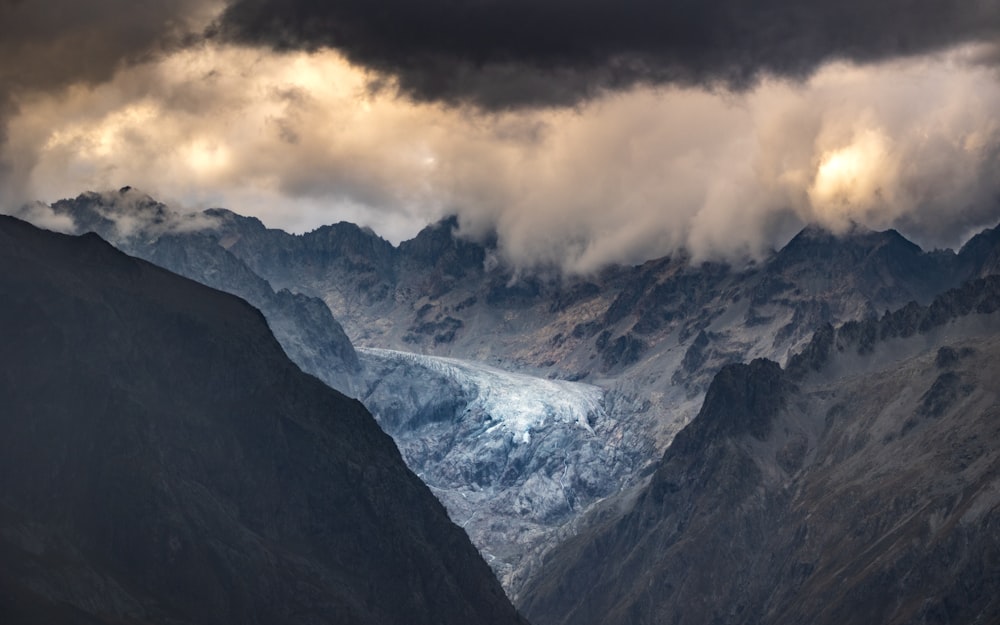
(224, 215)
(856, 235)
(437, 245)
(127, 212)
(858, 251)
(982, 252)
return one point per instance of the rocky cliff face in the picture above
(162, 461)
(858, 486)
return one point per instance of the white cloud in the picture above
(297, 140)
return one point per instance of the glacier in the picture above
(511, 456)
(514, 402)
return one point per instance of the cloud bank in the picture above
(47, 45)
(507, 53)
(707, 126)
(297, 139)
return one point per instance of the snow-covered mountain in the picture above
(652, 336)
(649, 337)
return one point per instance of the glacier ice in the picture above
(511, 456)
(515, 402)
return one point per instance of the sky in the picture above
(580, 132)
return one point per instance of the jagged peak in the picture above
(344, 228)
(450, 227)
(441, 243)
(448, 223)
(129, 212)
(979, 296)
(441, 230)
(349, 240)
(856, 234)
(982, 241)
(742, 399)
(225, 213)
(843, 252)
(125, 198)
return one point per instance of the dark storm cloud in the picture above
(50, 43)
(501, 53)
(46, 45)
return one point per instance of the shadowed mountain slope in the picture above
(162, 461)
(140, 226)
(860, 485)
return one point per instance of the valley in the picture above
(499, 312)
(531, 403)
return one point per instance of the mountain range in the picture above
(546, 411)
(858, 484)
(651, 337)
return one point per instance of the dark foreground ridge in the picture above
(162, 461)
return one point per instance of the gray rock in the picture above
(857, 489)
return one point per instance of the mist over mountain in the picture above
(162, 461)
(611, 133)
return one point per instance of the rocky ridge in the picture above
(187, 245)
(163, 462)
(858, 485)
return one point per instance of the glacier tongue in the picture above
(511, 456)
(515, 402)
